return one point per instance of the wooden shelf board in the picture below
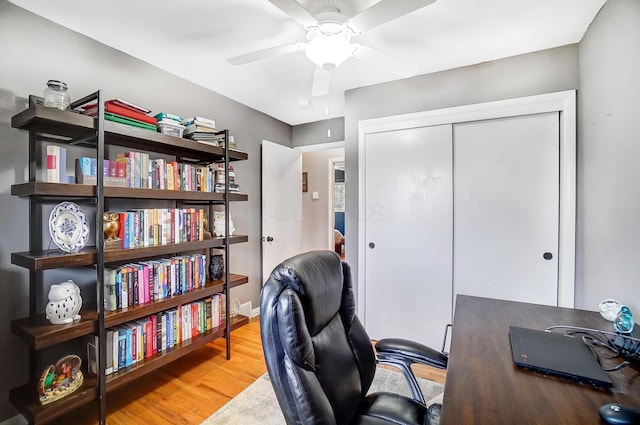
(122, 377)
(113, 318)
(133, 372)
(47, 120)
(81, 190)
(137, 138)
(39, 333)
(52, 189)
(119, 255)
(238, 322)
(51, 259)
(74, 126)
(25, 399)
(45, 260)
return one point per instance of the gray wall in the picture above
(316, 132)
(608, 237)
(33, 50)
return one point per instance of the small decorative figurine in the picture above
(111, 230)
(60, 380)
(205, 224)
(64, 303)
(218, 224)
(111, 225)
(624, 321)
(216, 267)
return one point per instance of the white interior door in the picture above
(408, 233)
(281, 205)
(506, 208)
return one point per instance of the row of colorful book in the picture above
(138, 170)
(221, 176)
(153, 280)
(146, 227)
(133, 342)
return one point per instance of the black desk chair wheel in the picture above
(319, 357)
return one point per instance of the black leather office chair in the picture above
(320, 360)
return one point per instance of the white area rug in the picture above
(257, 404)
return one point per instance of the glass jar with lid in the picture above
(56, 95)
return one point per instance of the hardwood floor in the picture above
(192, 388)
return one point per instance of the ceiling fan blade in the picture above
(383, 12)
(321, 82)
(296, 12)
(398, 66)
(267, 53)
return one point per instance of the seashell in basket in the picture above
(60, 380)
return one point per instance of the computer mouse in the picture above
(619, 414)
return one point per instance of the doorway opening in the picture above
(337, 203)
(321, 215)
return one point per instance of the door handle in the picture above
(269, 239)
(547, 256)
(372, 245)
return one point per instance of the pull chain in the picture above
(326, 112)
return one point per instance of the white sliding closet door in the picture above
(408, 221)
(506, 208)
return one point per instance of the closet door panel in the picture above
(506, 203)
(408, 222)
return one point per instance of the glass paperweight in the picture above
(56, 96)
(609, 309)
(624, 320)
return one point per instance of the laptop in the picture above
(556, 354)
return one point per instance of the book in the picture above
(92, 356)
(53, 164)
(115, 345)
(129, 121)
(84, 166)
(129, 105)
(118, 102)
(198, 128)
(167, 116)
(116, 109)
(109, 363)
(122, 346)
(110, 301)
(154, 334)
(62, 166)
(207, 122)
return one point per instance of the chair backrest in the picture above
(319, 357)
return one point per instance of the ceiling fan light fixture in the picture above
(329, 51)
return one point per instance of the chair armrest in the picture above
(412, 351)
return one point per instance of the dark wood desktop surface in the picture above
(483, 386)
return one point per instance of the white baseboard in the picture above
(15, 420)
(255, 312)
(246, 310)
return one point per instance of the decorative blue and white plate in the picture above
(68, 227)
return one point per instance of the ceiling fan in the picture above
(329, 35)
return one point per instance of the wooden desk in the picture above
(484, 386)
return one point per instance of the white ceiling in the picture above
(444, 35)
